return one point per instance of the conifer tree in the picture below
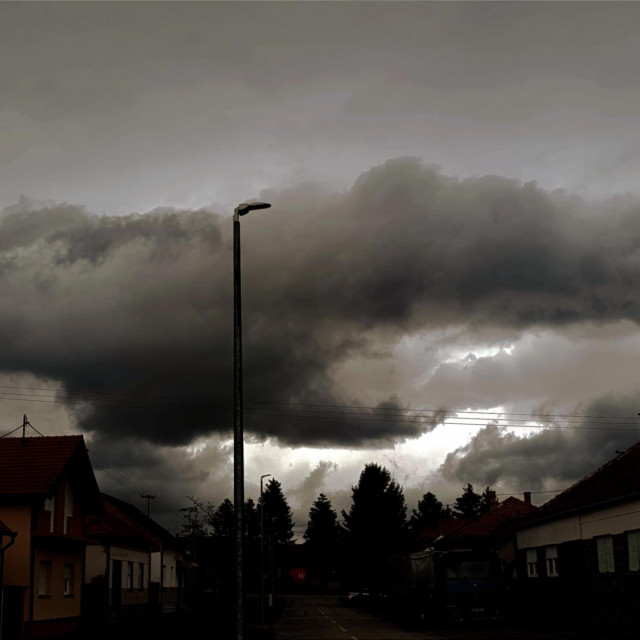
(375, 525)
(322, 540)
(428, 513)
(223, 519)
(278, 520)
(469, 504)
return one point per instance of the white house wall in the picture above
(548, 533)
(611, 521)
(169, 560)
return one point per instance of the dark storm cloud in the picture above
(138, 308)
(128, 105)
(551, 459)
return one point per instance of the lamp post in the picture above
(262, 477)
(238, 434)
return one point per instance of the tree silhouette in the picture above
(428, 513)
(488, 500)
(251, 522)
(277, 514)
(223, 519)
(322, 539)
(469, 504)
(375, 525)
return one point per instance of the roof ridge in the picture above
(591, 474)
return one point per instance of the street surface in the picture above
(325, 618)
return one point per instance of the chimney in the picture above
(527, 497)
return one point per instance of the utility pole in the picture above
(148, 498)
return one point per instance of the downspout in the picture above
(161, 575)
(12, 535)
(32, 572)
(107, 579)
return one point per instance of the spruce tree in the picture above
(469, 504)
(278, 520)
(375, 525)
(428, 513)
(322, 540)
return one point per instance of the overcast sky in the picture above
(455, 227)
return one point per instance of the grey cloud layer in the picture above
(141, 305)
(549, 460)
(124, 106)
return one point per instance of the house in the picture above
(493, 530)
(118, 565)
(441, 528)
(579, 555)
(7, 538)
(134, 565)
(47, 488)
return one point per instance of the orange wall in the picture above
(16, 568)
(56, 604)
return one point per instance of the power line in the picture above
(117, 398)
(441, 410)
(478, 423)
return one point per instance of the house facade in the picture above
(134, 565)
(579, 555)
(47, 489)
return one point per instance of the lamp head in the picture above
(245, 207)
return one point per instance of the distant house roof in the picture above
(492, 526)
(126, 520)
(444, 527)
(615, 481)
(34, 466)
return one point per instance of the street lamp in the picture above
(262, 477)
(238, 434)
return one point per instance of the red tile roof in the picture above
(33, 466)
(445, 527)
(615, 481)
(494, 524)
(114, 524)
(140, 521)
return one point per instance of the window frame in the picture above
(633, 554)
(532, 562)
(68, 584)
(551, 560)
(605, 555)
(50, 506)
(44, 579)
(130, 570)
(68, 507)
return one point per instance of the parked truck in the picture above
(454, 586)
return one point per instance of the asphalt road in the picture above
(324, 618)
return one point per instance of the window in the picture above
(532, 563)
(50, 506)
(163, 578)
(551, 557)
(68, 507)
(44, 578)
(604, 546)
(633, 544)
(129, 575)
(69, 570)
(140, 575)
